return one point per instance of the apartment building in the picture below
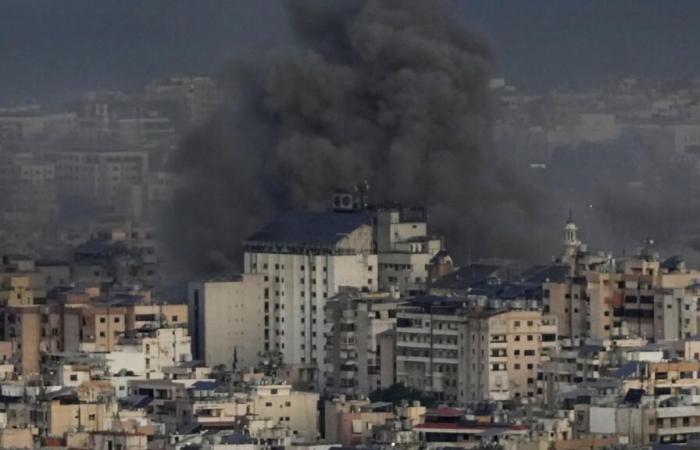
(100, 178)
(31, 330)
(31, 121)
(463, 354)
(28, 189)
(503, 353)
(355, 320)
(404, 249)
(295, 410)
(675, 314)
(230, 320)
(351, 422)
(427, 346)
(93, 327)
(304, 259)
(195, 97)
(660, 378)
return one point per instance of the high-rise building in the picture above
(354, 322)
(304, 258)
(468, 355)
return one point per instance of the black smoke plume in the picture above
(390, 91)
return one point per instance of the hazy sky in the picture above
(50, 47)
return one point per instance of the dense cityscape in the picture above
(153, 296)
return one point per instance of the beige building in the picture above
(297, 411)
(661, 378)
(118, 440)
(350, 422)
(62, 416)
(404, 249)
(16, 438)
(16, 291)
(230, 320)
(466, 355)
(503, 354)
(93, 327)
(31, 330)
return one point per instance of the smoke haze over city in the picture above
(350, 224)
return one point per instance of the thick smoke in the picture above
(390, 91)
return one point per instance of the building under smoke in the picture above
(390, 91)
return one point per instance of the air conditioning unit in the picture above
(343, 201)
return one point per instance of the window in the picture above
(529, 353)
(103, 320)
(529, 337)
(516, 367)
(268, 404)
(529, 323)
(74, 377)
(530, 366)
(174, 318)
(516, 323)
(116, 320)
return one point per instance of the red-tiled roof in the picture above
(467, 426)
(445, 412)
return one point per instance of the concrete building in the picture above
(151, 352)
(305, 258)
(93, 327)
(230, 320)
(31, 330)
(295, 410)
(675, 314)
(467, 355)
(31, 122)
(350, 422)
(28, 189)
(503, 354)
(404, 249)
(100, 178)
(195, 98)
(427, 346)
(355, 320)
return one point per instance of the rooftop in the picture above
(319, 229)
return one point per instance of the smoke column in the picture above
(390, 91)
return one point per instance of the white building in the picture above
(304, 258)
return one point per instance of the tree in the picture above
(398, 393)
